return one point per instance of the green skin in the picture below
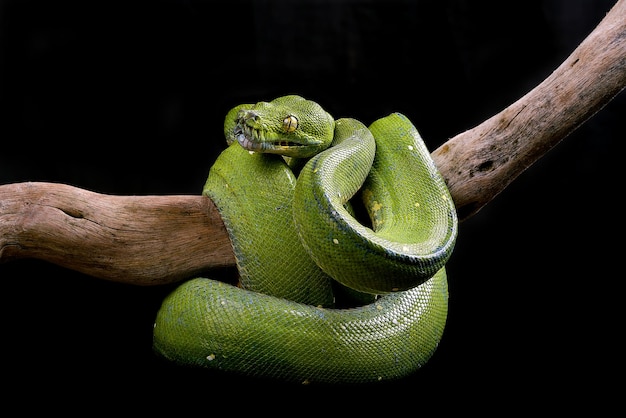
(323, 296)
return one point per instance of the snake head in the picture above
(290, 125)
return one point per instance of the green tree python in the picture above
(341, 233)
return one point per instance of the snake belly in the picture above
(291, 235)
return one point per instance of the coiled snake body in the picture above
(284, 187)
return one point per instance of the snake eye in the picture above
(290, 123)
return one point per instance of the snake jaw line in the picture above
(258, 140)
(254, 140)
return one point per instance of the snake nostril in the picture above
(247, 114)
(250, 114)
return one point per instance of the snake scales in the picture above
(325, 294)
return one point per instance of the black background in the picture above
(128, 97)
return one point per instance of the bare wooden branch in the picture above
(142, 240)
(478, 164)
(149, 240)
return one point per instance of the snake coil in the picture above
(286, 187)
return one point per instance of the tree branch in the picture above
(119, 238)
(142, 240)
(479, 163)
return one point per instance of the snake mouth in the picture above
(252, 145)
(258, 140)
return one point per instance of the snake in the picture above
(341, 233)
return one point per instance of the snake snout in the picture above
(245, 115)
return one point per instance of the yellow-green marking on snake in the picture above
(286, 187)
